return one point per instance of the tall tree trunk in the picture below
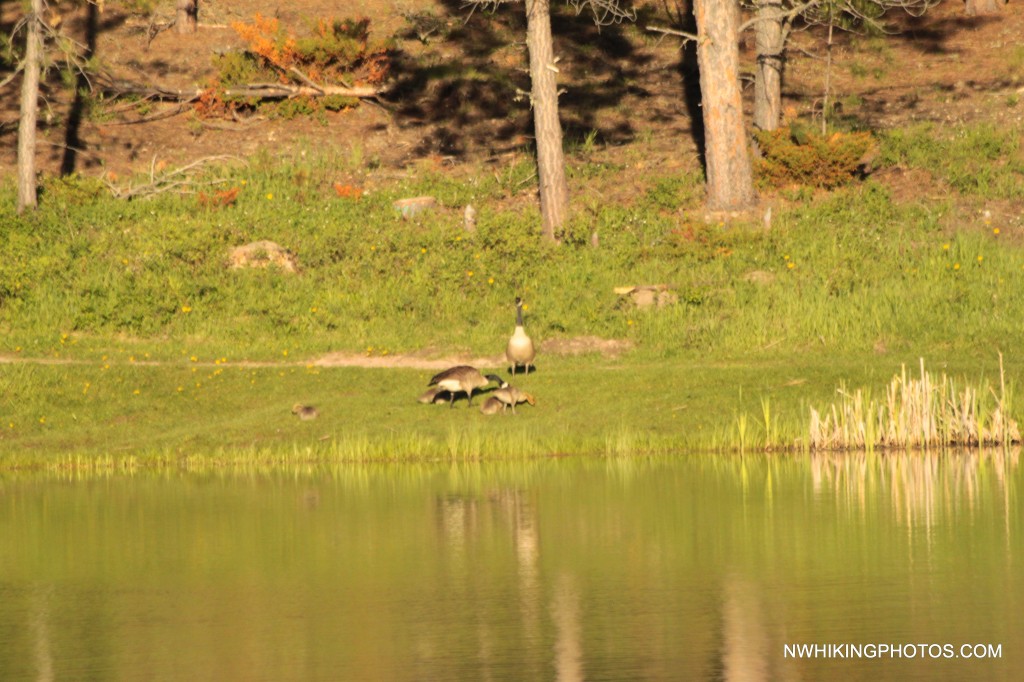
(769, 42)
(730, 180)
(29, 109)
(974, 8)
(554, 191)
(187, 15)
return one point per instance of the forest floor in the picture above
(446, 103)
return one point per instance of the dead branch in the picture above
(13, 74)
(673, 32)
(155, 28)
(159, 116)
(161, 181)
(256, 90)
(305, 79)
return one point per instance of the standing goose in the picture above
(461, 379)
(520, 350)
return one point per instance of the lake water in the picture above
(692, 567)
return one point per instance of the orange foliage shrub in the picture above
(337, 50)
(219, 199)
(211, 103)
(793, 155)
(347, 191)
(266, 40)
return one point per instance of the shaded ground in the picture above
(453, 95)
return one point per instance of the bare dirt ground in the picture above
(625, 87)
(426, 359)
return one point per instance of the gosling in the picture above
(492, 406)
(510, 396)
(462, 379)
(520, 350)
(305, 412)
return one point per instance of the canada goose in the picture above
(434, 395)
(520, 350)
(461, 379)
(511, 396)
(305, 412)
(492, 406)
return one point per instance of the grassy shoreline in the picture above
(125, 416)
(158, 347)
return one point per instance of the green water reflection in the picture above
(681, 568)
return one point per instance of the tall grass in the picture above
(922, 411)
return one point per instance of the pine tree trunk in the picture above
(974, 8)
(554, 191)
(730, 181)
(768, 41)
(29, 110)
(187, 15)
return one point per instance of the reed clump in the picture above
(918, 412)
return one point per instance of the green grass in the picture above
(123, 414)
(982, 160)
(854, 274)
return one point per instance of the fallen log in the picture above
(250, 90)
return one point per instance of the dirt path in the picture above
(579, 345)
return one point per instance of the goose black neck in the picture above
(519, 314)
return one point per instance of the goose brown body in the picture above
(434, 395)
(510, 396)
(461, 379)
(305, 412)
(492, 406)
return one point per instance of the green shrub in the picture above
(793, 155)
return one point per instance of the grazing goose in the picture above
(461, 379)
(520, 350)
(492, 406)
(305, 412)
(434, 395)
(511, 396)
